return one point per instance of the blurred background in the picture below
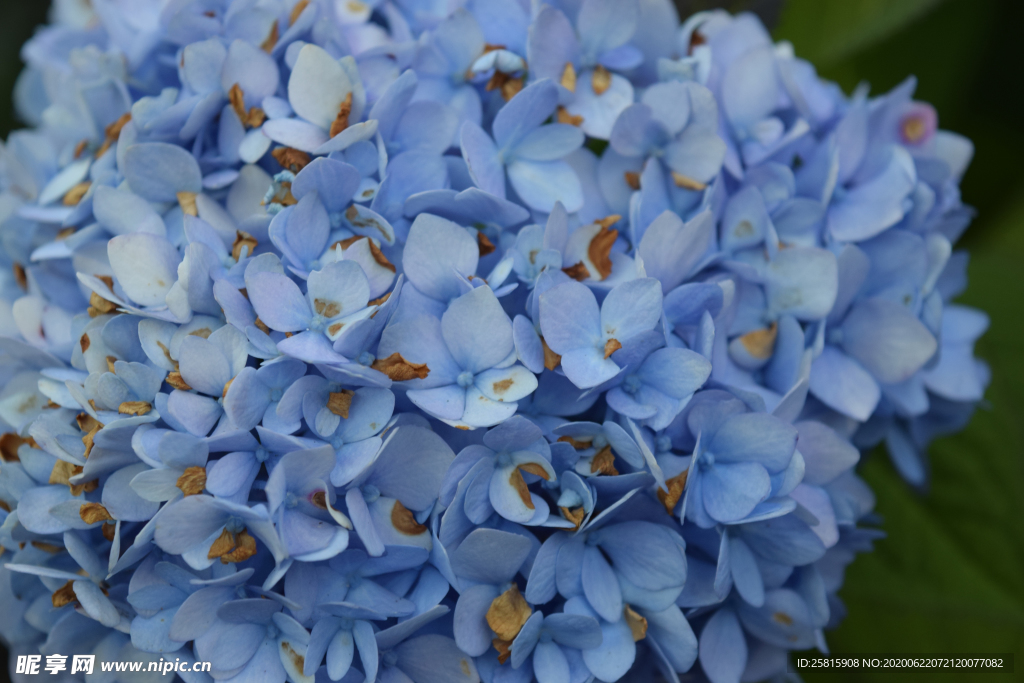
(949, 577)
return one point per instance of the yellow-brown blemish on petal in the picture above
(761, 343)
(93, 512)
(290, 158)
(534, 468)
(380, 258)
(399, 369)
(51, 548)
(484, 245)
(562, 115)
(9, 445)
(511, 87)
(601, 80)
(108, 529)
(227, 387)
(404, 521)
(782, 618)
(261, 326)
(319, 500)
(504, 648)
(65, 595)
(568, 79)
(90, 425)
(507, 613)
(339, 402)
(609, 221)
(81, 147)
(637, 624)
(341, 120)
(551, 359)
(62, 472)
(328, 309)
(335, 328)
(245, 547)
(632, 179)
(20, 276)
(113, 132)
(222, 546)
(600, 248)
(187, 202)
(175, 380)
(577, 272)
(358, 220)
(203, 332)
(192, 481)
(604, 462)
(502, 386)
(519, 484)
(110, 363)
(297, 11)
(135, 408)
(65, 233)
(611, 346)
(575, 516)
(676, 485)
(100, 306)
(254, 117)
(578, 445)
(270, 43)
(75, 194)
(287, 651)
(6, 508)
(687, 183)
(243, 240)
(913, 128)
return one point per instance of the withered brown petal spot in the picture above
(85, 342)
(568, 79)
(600, 250)
(328, 309)
(761, 343)
(75, 194)
(176, 381)
(187, 202)
(551, 359)
(507, 613)
(519, 484)
(110, 363)
(604, 462)
(245, 547)
(297, 11)
(298, 661)
(227, 387)
(80, 147)
(340, 122)
(511, 88)
(134, 408)
(378, 301)
(575, 516)
(687, 183)
(633, 180)
(485, 245)
(637, 624)
(222, 546)
(262, 326)
(562, 115)
(380, 258)
(65, 595)
(578, 445)
(243, 240)
(113, 132)
(62, 472)
(271, 41)
(51, 548)
(90, 426)
(100, 306)
(319, 499)
(20, 276)
(108, 529)
(290, 158)
(192, 481)
(502, 386)
(65, 233)
(404, 521)
(577, 272)
(611, 346)
(782, 618)
(9, 445)
(93, 512)
(504, 648)
(534, 468)
(339, 402)
(399, 369)
(676, 485)
(601, 80)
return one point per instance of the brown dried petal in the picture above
(782, 618)
(577, 272)
(399, 369)
(687, 183)
(243, 240)
(633, 180)
(562, 115)
(604, 462)
(534, 468)
(134, 408)
(51, 548)
(504, 648)
(519, 484)
(65, 595)
(551, 359)
(340, 402)
(297, 11)
(262, 326)
(611, 346)
(380, 258)
(9, 445)
(637, 624)
(187, 202)
(20, 276)
(600, 250)
(341, 121)
(578, 445)
(85, 342)
(575, 516)
(109, 530)
(676, 485)
(100, 306)
(270, 43)
(761, 343)
(110, 364)
(192, 481)
(290, 158)
(511, 88)
(245, 547)
(404, 521)
(175, 380)
(568, 79)
(62, 472)
(601, 80)
(485, 245)
(507, 613)
(224, 544)
(94, 512)
(319, 499)
(75, 194)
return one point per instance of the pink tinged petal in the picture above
(843, 384)
(317, 86)
(540, 184)
(278, 302)
(145, 266)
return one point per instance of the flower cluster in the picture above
(489, 340)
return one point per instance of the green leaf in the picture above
(825, 31)
(949, 578)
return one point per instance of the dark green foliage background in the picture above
(950, 575)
